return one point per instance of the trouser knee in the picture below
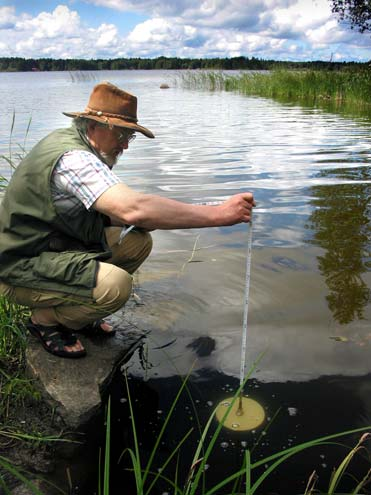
(133, 250)
(113, 288)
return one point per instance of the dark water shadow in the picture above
(296, 412)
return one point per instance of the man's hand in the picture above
(237, 209)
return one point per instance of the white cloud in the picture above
(57, 34)
(275, 29)
(107, 36)
(7, 17)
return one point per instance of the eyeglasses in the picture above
(123, 136)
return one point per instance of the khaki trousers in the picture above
(113, 288)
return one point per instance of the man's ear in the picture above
(91, 126)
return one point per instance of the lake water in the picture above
(309, 304)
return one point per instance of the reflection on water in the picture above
(309, 307)
(341, 226)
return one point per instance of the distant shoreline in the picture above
(19, 64)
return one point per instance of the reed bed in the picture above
(347, 86)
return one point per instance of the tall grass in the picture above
(14, 387)
(13, 157)
(352, 86)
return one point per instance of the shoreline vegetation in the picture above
(334, 88)
(18, 64)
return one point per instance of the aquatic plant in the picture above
(348, 86)
(81, 76)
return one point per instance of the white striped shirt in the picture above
(77, 181)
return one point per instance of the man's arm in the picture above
(125, 206)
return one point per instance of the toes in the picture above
(106, 327)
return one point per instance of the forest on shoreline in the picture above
(18, 64)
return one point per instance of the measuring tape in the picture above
(246, 305)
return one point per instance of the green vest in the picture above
(31, 230)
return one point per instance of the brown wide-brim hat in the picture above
(110, 105)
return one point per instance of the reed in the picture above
(352, 86)
(14, 156)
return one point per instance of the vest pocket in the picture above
(69, 268)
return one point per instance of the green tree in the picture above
(357, 12)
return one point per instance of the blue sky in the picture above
(270, 29)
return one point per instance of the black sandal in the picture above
(95, 330)
(54, 340)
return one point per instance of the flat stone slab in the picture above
(74, 386)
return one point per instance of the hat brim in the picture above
(113, 121)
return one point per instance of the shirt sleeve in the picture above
(82, 175)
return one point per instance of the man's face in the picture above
(110, 143)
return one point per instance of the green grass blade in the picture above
(248, 472)
(99, 472)
(17, 474)
(106, 474)
(163, 428)
(226, 481)
(11, 134)
(137, 471)
(27, 131)
(309, 444)
(134, 457)
(344, 464)
(279, 461)
(362, 483)
(168, 460)
(5, 489)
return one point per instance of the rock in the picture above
(74, 386)
(24, 490)
(164, 86)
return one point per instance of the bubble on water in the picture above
(264, 433)
(209, 403)
(322, 456)
(123, 399)
(226, 403)
(324, 465)
(165, 493)
(243, 443)
(224, 445)
(292, 411)
(235, 425)
(206, 467)
(159, 411)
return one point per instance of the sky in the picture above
(294, 30)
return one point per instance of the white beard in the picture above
(110, 160)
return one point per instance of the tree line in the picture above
(18, 64)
